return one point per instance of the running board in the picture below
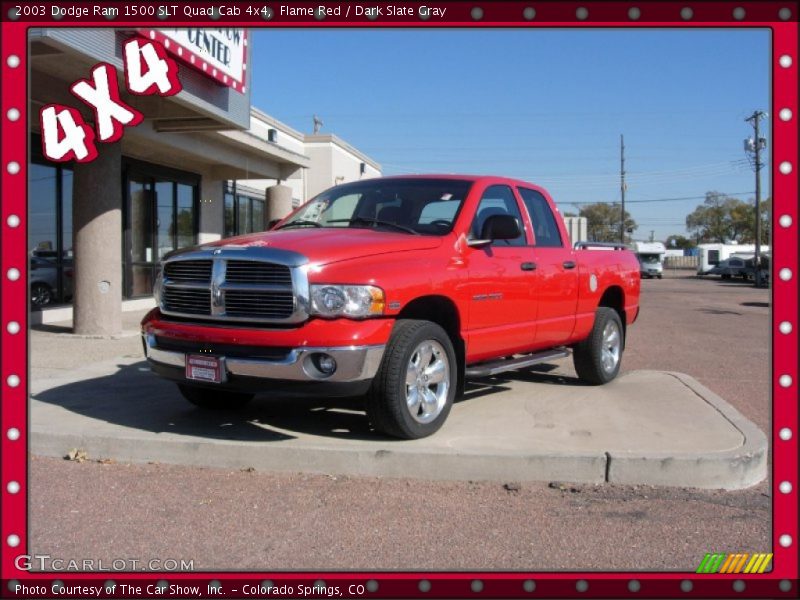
(488, 369)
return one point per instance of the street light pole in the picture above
(755, 118)
(622, 187)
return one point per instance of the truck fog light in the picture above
(320, 365)
(326, 364)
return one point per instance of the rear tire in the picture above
(214, 399)
(597, 359)
(416, 383)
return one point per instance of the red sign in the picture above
(220, 54)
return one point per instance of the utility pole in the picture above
(622, 187)
(755, 146)
(652, 235)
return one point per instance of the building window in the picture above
(244, 213)
(50, 230)
(161, 214)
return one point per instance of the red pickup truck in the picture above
(397, 289)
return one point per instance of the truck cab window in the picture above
(545, 229)
(497, 200)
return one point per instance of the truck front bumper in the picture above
(352, 363)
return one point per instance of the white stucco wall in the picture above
(332, 160)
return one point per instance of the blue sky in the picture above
(544, 105)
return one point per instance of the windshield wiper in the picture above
(375, 222)
(300, 223)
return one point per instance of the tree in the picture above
(743, 216)
(602, 222)
(711, 220)
(680, 242)
(725, 219)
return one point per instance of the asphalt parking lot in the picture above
(244, 519)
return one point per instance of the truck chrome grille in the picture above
(233, 284)
(263, 305)
(189, 301)
(248, 271)
(189, 270)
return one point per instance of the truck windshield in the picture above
(650, 259)
(411, 206)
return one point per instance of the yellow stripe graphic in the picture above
(764, 564)
(728, 563)
(754, 562)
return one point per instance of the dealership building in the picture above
(203, 165)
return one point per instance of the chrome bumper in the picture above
(353, 363)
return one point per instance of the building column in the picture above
(212, 209)
(97, 243)
(279, 201)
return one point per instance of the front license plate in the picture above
(204, 368)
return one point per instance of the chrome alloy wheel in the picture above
(612, 346)
(427, 381)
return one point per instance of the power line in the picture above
(654, 199)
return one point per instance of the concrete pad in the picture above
(647, 427)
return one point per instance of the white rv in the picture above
(651, 258)
(710, 255)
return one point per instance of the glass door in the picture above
(161, 215)
(140, 264)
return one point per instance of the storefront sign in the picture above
(218, 53)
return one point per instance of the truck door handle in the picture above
(528, 266)
(568, 264)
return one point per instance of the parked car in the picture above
(395, 288)
(734, 266)
(44, 281)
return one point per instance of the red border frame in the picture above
(13, 518)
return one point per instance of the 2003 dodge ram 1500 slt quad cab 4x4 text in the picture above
(396, 289)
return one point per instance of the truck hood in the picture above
(330, 245)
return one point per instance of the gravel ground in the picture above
(260, 521)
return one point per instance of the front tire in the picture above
(214, 399)
(415, 386)
(597, 359)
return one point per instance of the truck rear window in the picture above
(545, 228)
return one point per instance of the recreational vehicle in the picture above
(651, 258)
(710, 255)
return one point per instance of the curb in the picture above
(730, 469)
(326, 460)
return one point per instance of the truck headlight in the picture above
(347, 300)
(158, 283)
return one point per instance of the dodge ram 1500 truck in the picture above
(396, 289)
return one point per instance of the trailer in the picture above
(710, 255)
